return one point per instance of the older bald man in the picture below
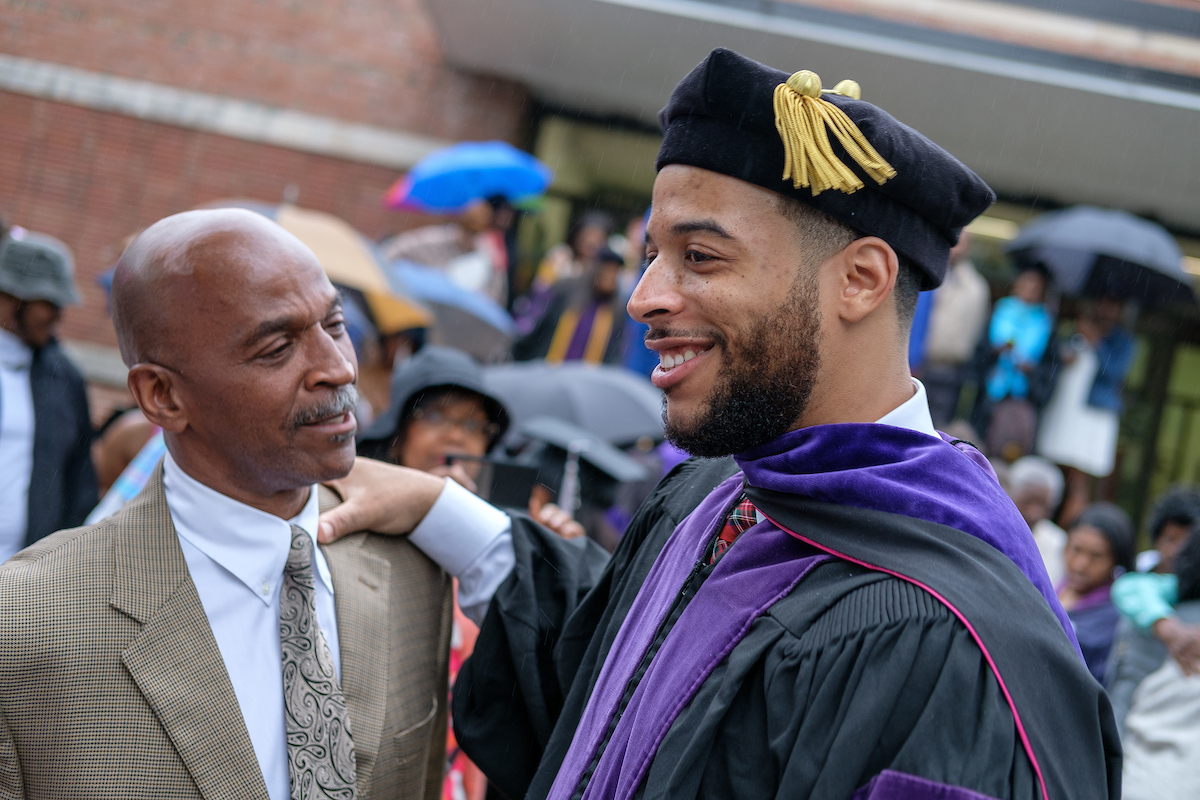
(197, 644)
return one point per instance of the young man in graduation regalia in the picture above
(849, 608)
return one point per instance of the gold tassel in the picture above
(801, 117)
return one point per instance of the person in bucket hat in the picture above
(47, 481)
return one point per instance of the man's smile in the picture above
(678, 357)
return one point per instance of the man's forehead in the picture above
(245, 285)
(684, 195)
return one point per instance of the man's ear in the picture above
(157, 394)
(865, 272)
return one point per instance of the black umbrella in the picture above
(615, 404)
(580, 466)
(1095, 252)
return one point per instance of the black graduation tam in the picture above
(826, 148)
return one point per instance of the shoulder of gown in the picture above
(853, 675)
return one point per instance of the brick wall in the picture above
(371, 61)
(92, 178)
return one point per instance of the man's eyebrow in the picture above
(270, 326)
(700, 226)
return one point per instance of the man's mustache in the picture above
(343, 401)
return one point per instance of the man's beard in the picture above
(761, 390)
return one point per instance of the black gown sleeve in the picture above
(507, 695)
(548, 629)
(887, 679)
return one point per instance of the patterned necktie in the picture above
(320, 748)
(740, 518)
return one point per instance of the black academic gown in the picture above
(853, 673)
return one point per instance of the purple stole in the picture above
(871, 466)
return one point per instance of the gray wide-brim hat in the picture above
(34, 266)
(434, 367)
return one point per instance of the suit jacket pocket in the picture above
(412, 753)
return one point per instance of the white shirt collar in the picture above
(250, 544)
(913, 413)
(14, 353)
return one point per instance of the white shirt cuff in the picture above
(470, 539)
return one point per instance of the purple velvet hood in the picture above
(900, 471)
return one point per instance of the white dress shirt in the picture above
(913, 413)
(472, 540)
(236, 555)
(16, 441)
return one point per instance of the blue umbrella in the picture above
(450, 178)
(466, 320)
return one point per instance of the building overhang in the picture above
(1033, 124)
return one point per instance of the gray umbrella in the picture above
(615, 404)
(1095, 251)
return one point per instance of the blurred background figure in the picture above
(1147, 599)
(584, 320)
(1099, 549)
(1017, 336)
(47, 481)
(1157, 702)
(957, 315)
(438, 245)
(439, 410)
(132, 478)
(1173, 515)
(1036, 486)
(117, 443)
(473, 249)
(638, 357)
(1080, 422)
(586, 237)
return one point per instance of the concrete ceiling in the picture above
(1059, 131)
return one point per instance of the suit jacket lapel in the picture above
(174, 660)
(360, 585)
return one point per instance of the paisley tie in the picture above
(320, 748)
(740, 518)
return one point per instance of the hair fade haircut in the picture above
(823, 236)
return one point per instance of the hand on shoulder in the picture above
(379, 497)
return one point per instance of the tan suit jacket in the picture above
(112, 686)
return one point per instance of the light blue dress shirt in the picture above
(236, 555)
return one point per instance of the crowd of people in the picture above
(727, 631)
(1019, 381)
